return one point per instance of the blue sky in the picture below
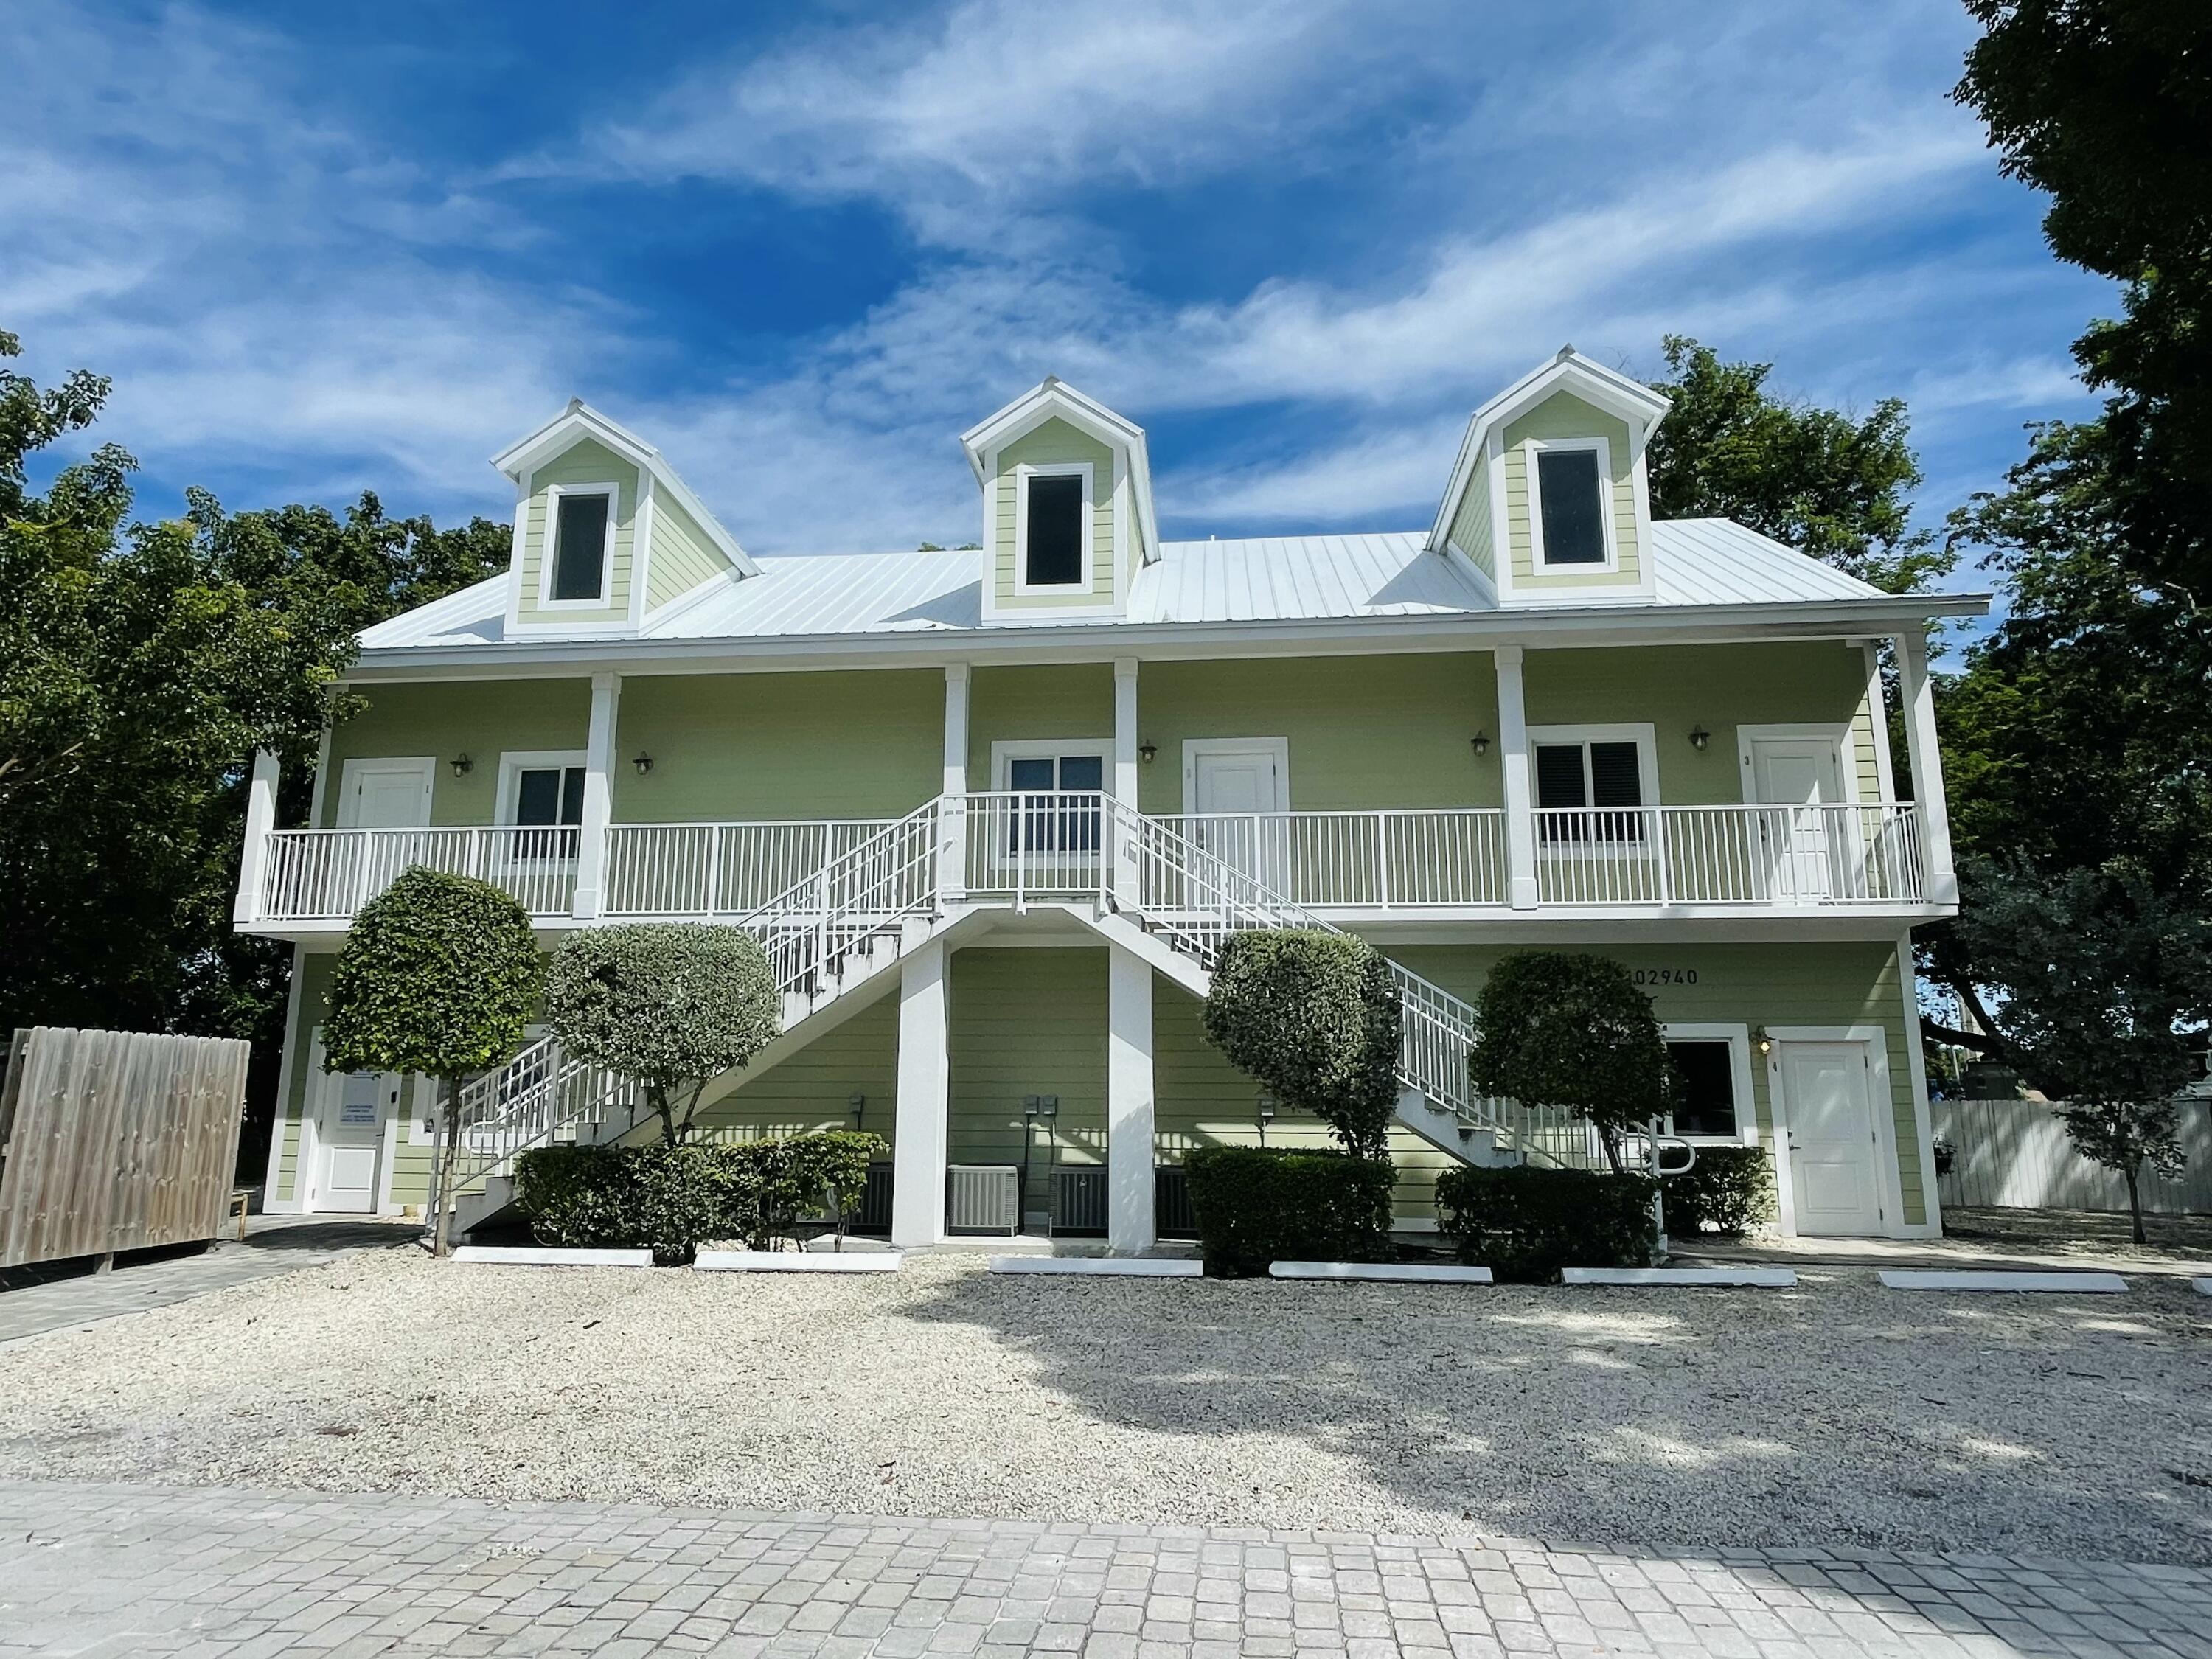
(326, 247)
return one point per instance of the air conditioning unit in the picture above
(875, 1209)
(1079, 1202)
(983, 1198)
(1173, 1216)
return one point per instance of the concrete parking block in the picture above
(1956, 1278)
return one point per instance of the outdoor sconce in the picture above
(1699, 738)
(1148, 752)
(1480, 743)
(643, 763)
(462, 765)
(1765, 1043)
(856, 1104)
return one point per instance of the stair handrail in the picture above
(1437, 1029)
(825, 912)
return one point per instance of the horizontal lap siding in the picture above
(682, 558)
(1055, 441)
(1770, 985)
(1027, 1022)
(1470, 530)
(584, 462)
(813, 1088)
(1072, 700)
(480, 719)
(1563, 415)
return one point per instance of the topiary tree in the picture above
(438, 975)
(1315, 1016)
(670, 1004)
(1573, 1031)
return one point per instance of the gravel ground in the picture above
(1837, 1414)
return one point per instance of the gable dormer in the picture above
(606, 536)
(1067, 507)
(1549, 499)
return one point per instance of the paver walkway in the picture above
(104, 1570)
(275, 1247)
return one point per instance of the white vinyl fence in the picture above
(2014, 1154)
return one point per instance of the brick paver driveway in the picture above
(142, 1569)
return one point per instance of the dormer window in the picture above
(1052, 520)
(583, 522)
(1572, 524)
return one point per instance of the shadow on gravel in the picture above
(1835, 1414)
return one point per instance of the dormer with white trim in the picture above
(1549, 500)
(607, 538)
(1067, 507)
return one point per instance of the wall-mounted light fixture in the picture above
(462, 765)
(1148, 752)
(856, 1103)
(643, 763)
(1765, 1043)
(1480, 743)
(1699, 738)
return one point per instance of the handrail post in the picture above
(1665, 854)
(821, 923)
(1382, 858)
(713, 904)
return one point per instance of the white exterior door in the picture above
(1828, 1106)
(349, 1142)
(1232, 792)
(1803, 774)
(381, 794)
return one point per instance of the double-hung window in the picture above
(1589, 789)
(1573, 504)
(1054, 507)
(1054, 810)
(1712, 1080)
(582, 535)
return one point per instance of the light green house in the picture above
(993, 809)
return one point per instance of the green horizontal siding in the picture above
(813, 1089)
(1060, 699)
(1054, 440)
(682, 556)
(1027, 1022)
(585, 462)
(480, 719)
(1563, 415)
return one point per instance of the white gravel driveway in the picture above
(1839, 1414)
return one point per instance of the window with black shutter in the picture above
(1590, 791)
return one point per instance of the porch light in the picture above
(1480, 743)
(1148, 752)
(1765, 1043)
(462, 765)
(643, 763)
(856, 1103)
(1699, 738)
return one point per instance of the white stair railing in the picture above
(1196, 900)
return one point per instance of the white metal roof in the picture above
(1699, 562)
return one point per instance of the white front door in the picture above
(350, 1141)
(1232, 791)
(379, 794)
(1827, 1106)
(1800, 773)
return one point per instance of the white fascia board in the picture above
(581, 420)
(1638, 404)
(1554, 628)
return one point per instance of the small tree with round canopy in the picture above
(670, 1004)
(1572, 1031)
(1315, 1016)
(438, 975)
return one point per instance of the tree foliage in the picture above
(1817, 479)
(2100, 972)
(140, 666)
(1315, 1016)
(1572, 1031)
(671, 1005)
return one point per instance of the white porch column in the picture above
(1124, 784)
(598, 796)
(1927, 760)
(1520, 792)
(918, 1139)
(952, 829)
(1131, 1225)
(260, 819)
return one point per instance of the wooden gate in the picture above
(116, 1140)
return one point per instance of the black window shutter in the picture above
(1560, 775)
(1616, 780)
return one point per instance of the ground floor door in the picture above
(1827, 1107)
(349, 1142)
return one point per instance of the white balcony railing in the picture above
(1015, 846)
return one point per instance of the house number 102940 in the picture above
(1664, 975)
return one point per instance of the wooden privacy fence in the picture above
(116, 1140)
(2014, 1154)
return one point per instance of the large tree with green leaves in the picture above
(140, 666)
(1832, 484)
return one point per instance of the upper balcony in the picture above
(1009, 847)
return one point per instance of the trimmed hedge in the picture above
(1527, 1223)
(1256, 1205)
(674, 1198)
(1729, 1190)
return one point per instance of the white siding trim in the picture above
(1737, 1035)
(1023, 472)
(1607, 508)
(554, 494)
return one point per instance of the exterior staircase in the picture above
(845, 927)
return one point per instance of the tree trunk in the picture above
(656, 1098)
(1610, 1139)
(2135, 1204)
(449, 1154)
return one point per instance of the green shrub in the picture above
(673, 1199)
(1729, 1190)
(1256, 1205)
(671, 1005)
(1527, 1223)
(1572, 1031)
(1315, 1016)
